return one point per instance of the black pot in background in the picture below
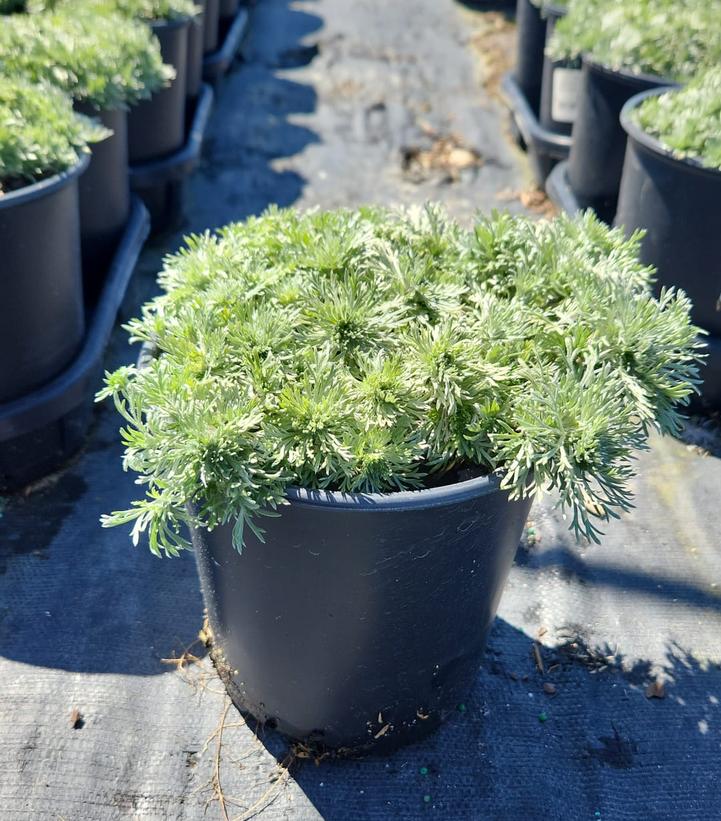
(599, 142)
(195, 55)
(530, 42)
(228, 8)
(42, 319)
(560, 84)
(361, 622)
(156, 127)
(104, 191)
(211, 21)
(677, 202)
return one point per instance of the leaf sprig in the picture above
(376, 350)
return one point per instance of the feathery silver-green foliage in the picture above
(687, 121)
(40, 134)
(666, 38)
(374, 350)
(106, 60)
(148, 10)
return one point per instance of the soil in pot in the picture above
(530, 40)
(41, 310)
(599, 141)
(677, 202)
(104, 193)
(156, 127)
(361, 622)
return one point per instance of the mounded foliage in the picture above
(687, 121)
(40, 134)
(666, 38)
(148, 10)
(106, 60)
(379, 350)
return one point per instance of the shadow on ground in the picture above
(74, 596)
(602, 744)
(252, 124)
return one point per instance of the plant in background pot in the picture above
(671, 187)
(351, 411)
(560, 79)
(107, 63)
(627, 48)
(531, 19)
(43, 151)
(156, 127)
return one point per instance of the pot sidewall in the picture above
(347, 613)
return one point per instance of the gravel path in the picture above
(342, 103)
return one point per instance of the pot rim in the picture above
(455, 493)
(161, 24)
(553, 11)
(29, 193)
(652, 144)
(627, 75)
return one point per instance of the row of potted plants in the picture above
(351, 412)
(671, 188)
(619, 48)
(624, 49)
(94, 95)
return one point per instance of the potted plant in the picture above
(540, 115)
(671, 187)
(228, 9)
(351, 411)
(211, 23)
(560, 80)
(107, 63)
(156, 127)
(530, 40)
(43, 151)
(627, 48)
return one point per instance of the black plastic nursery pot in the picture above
(41, 308)
(560, 84)
(530, 42)
(545, 147)
(194, 78)
(211, 21)
(217, 64)
(595, 162)
(42, 429)
(559, 189)
(161, 183)
(156, 127)
(360, 623)
(104, 198)
(710, 373)
(228, 8)
(676, 201)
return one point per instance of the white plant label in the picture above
(564, 94)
